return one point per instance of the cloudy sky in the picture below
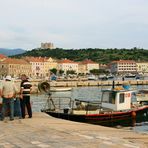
(74, 23)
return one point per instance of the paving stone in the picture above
(43, 131)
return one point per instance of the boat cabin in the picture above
(116, 100)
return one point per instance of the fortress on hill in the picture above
(48, 45)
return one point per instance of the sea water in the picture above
(83, 93)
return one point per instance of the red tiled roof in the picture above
(67, 61)
(2, 56)
(14, 61)
(87, 61)
(35, 59)
(124, 61)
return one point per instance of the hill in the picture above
(98, 55)
(10, 52)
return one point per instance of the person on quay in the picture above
(25, 96)
(8, 93)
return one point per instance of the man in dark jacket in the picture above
(25, 96)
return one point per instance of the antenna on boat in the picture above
(113, 85)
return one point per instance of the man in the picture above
(25, 96)
(8, 93)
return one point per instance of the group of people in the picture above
(9, 93)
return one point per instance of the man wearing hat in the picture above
(8, 92)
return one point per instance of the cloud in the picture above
(74, 23)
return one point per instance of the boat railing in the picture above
(58, 103)
(68, 104)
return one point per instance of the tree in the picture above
(54, 70)
(94, 71)
(70, 72)
(61, 71)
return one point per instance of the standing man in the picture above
(25, 96)
(8, 93)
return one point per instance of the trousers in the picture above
(25, 102)
(7, 107)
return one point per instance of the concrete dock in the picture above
(43, 131)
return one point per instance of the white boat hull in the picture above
(60, 89)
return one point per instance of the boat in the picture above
(103, 77)
(63, 89)
(45, 88)
(130, 76)
(92, 77)
(142, 96)
(115, 108)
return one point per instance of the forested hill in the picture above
(97, 55)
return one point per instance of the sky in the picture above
(74, 24)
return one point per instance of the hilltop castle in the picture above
(47, 45)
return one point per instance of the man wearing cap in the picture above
(8, 92)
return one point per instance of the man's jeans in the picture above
(17, 108)
(8, 105)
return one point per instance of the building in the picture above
(142, 67)
(47, 46)
(14, 67)
(49, 63)
(123, 67)
(37, 66)
(41, 66)
(2, 57)
(87, 65)
(67, 65)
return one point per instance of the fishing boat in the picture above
(115, 108)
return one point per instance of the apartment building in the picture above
(142, 67)
(87, 65)
(37, 66)
(49, 63)
(14, 67)
(123, 67)
(2, 57)
(67, 65)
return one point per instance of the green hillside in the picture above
(97, 55)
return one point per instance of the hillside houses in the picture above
(40, 67)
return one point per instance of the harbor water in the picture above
(83, 93)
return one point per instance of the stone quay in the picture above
(81, 83)
(44, 131)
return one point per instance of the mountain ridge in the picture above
(11, 52)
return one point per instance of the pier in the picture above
(82, 83)
(44, 131)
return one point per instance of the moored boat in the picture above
(45, 87)
(142, 96)
(115, 108)
(60, 89)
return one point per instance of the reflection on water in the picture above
(83, 93)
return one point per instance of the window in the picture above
(109, 97)
(121, 98)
